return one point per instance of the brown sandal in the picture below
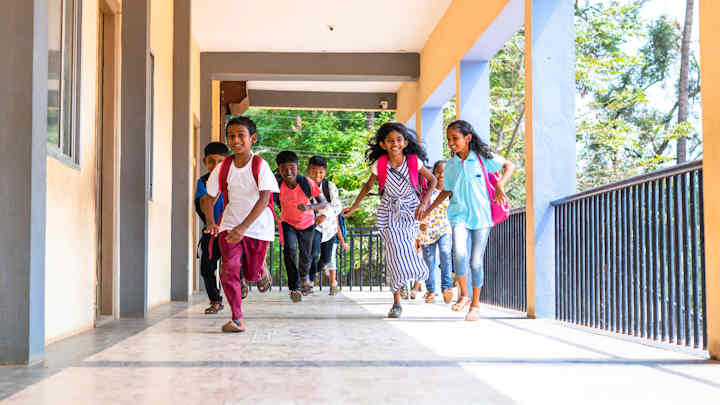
(429, 297)
(265, 283)
(214, 308)
(461, 303)
(473, 314)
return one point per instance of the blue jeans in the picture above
(444, 244)
(475, 240)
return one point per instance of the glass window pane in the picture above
(68, 56)
(54, 70)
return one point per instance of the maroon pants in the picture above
(244, 259)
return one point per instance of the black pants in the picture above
(320, 254)
(208, 265)
(297, 241)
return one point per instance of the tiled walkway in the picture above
(341, 350)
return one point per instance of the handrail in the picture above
(518, 210)
(643, 178)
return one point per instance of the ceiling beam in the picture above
(311, 100)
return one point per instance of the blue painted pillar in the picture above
(432, 132)
(473, 100)
(23, 179)
(412, 123)
(550, 139)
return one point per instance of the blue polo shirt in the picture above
(201, 190)
(470, 204)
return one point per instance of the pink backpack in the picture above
(412, 168)
(499, 212)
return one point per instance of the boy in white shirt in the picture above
(247, 226)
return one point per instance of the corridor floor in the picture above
(341, 350)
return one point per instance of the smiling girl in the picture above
(396, 160)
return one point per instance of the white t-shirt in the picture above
(329, 226)
(244, 194)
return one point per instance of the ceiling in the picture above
(302, 25)
(342, 87)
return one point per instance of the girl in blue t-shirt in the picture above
(469, 210)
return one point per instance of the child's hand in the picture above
(319, 220)
(212, 229)
(345, 246)
(500, 196)
(420, 214)
(304, 207)
(236, 234)
(349, 211)
(423, 227)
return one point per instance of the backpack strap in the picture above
(304, 186)
(382, 166)
(222, 179)
(325, 185)
(412, 162)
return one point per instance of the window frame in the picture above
(69, 154)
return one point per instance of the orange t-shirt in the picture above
(289, 201)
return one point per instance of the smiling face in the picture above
(239, 139)
(394, 144)
(457, 142)
(211, 161)
(288, 172)
(439, 174)
(317, 173)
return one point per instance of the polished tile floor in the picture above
(341, 350)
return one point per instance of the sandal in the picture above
(473, 314)
(295, 296)
(395, 311)
(234, 326)
(461, 303)
(448, 295)
(306, 290)
(429, 297)
(265, 283)
(403, 292)
(334, 290)
(214, 308)
(244, 290)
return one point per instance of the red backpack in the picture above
(225, 170)
(412, 168)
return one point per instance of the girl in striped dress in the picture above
(396, 160)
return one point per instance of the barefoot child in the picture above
(396, 160)
(436, 234)
(215, 153)
(469, 210)
(247, 226)
(326, 224)
(298, 222)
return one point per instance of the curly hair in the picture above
(476, 144)
(374, 151)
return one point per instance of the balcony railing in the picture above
(505, 272)
(630, 257)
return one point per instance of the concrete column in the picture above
(182, 124)
(135, 125)
(432, 132)
(710, 72)
(23, 151)
(550, 139)
(473, 96)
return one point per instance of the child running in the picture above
(247, 226)
(396, 160)
(327, 228)
(298, 222)
(469, 210)
(436, 234)
(215, 153)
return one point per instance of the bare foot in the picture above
(473, 314)
(461, 303)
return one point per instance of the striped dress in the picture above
(399, 229)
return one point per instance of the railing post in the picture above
(550, 138)
(710, 76)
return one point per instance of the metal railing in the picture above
(505, 270)
(630, 257)
(361, 267)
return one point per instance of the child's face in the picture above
(394, 143)
(439, 174)
(239, 139)
(211, 161)
(288, 172)
(457, 142)
(317, 173)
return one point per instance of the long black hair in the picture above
(374, 151)
(476, 143)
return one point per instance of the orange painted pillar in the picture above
(710, 78)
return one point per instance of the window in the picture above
(63, 79)
(150, 142)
